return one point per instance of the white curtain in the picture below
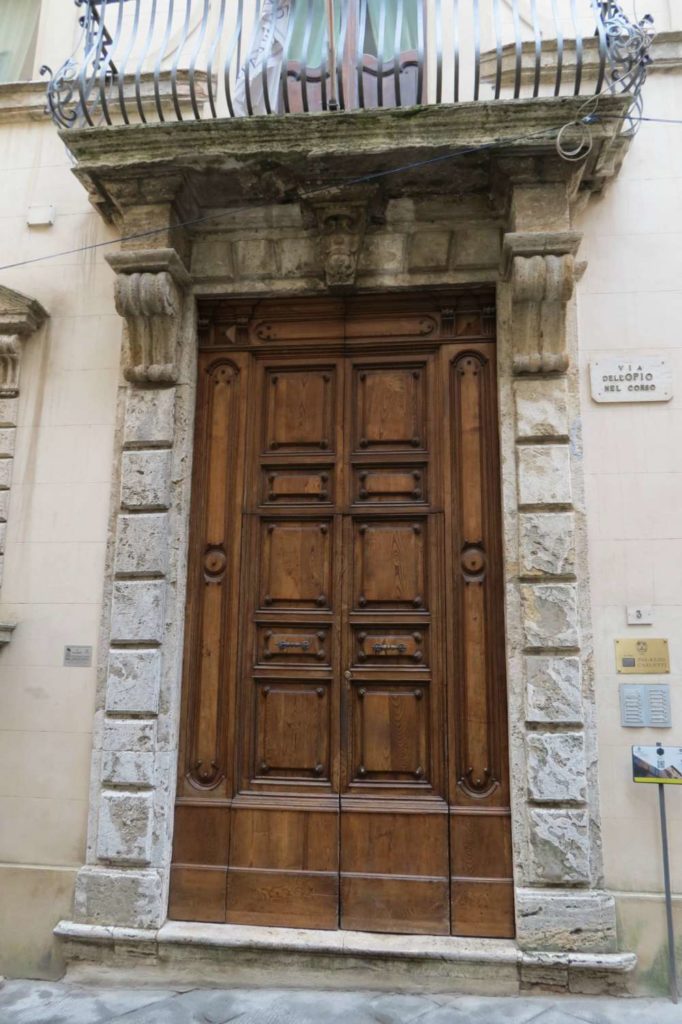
(18, 28)
(269, 37)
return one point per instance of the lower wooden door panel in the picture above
(394, 870)
(343, 756)
(284, 867)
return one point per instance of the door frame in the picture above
(425, 328)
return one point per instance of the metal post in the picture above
(672, 966)
(331, 22)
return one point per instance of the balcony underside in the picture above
(208, 165)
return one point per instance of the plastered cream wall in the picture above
(56, 534)
(630, 303)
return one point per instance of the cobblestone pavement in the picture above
(38, 1002)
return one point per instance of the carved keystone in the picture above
(149, 295)
(541, 269)
(341, 223)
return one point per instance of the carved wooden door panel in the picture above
(344, 757)
(283, 862)
(394, 812)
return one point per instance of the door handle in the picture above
(348, 674)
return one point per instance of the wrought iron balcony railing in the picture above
(174, 60)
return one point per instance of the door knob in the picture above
(348, 674)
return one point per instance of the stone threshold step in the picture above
(237, 955)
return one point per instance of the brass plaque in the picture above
(642, 657)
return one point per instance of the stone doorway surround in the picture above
(501, 215)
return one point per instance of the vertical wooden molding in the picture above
(214, 535)
(480, 676)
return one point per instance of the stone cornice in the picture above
(273, 159)
(22, 101)
(665, 53)
(19, 314)
(369, 131)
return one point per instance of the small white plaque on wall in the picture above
(634, 379)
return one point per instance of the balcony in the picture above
(152, 61)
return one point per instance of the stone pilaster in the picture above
(134, 762)
(559, 903)
(20, 316)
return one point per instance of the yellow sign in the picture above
(642, 657)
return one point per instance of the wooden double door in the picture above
(344, 760)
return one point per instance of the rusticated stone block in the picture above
(553, 689)
(383, 254)
(125, 827)
(137, 611)
(149, 417)
(9, 410)
(565, 920)
(560, 847)
(212, 258)
(133, 681)
(549, 614)
(127, 768)
(428, 250)
(128, 898)
(145, 479)
(298, 256)
(7, 442)
(544, 474)
(541, 408)
(546, 544)
(4, 506)
(476, 247)
(142, 544)
(256, 258)
(129, 735)
(6, 466)
(556, 767)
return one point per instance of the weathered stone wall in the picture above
(555, 812)
(135, 745)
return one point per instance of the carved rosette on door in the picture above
(344, 760)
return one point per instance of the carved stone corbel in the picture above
(542, 272)
(149, 295)
(19, 316)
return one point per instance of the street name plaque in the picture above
(635, 379)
